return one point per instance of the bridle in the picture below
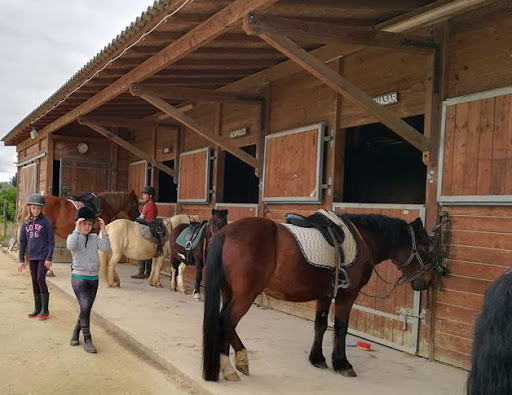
(414, 254)
(403, 279)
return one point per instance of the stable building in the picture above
(265, 107)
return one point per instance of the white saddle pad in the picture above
(317, 251)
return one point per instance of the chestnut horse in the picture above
(178, 255)
(253, 255)
(61, 212)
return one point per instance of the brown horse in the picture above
(253, 255)
(178, 256)
(61, 212)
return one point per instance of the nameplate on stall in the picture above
(387, 99)
(238, 133)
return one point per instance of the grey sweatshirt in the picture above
(85, 258)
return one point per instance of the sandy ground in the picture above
(35, 356)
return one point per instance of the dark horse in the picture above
(491, 368)
(253, 255)
(178, 254)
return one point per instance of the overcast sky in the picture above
(44, 43)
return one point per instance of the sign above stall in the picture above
(387, 98)
(239, 133)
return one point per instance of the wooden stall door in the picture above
(194, 177)
(78, 175)
(137, 176)
(393, 321)
(476, 163)
(27, 183)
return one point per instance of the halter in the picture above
(414, 254)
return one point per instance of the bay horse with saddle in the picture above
(255, 255)
(188, 245)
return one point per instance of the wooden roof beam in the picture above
(126, 123)
(344, 87)
(363, 5)
(193, 94)
(328, 33)
(127, 146)
(178, 115)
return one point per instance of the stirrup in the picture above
(343, 280)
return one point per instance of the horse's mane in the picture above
(391, 230)
(492, 346)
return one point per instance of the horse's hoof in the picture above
(50, 273)
(232, 377)
(243, 369)
(320, 365)
(347, 372)
(197, 297)
(183, 292)
(116, 285)
(158, 285)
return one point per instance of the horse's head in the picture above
(218, 221)
(414, 258)
(133, 206)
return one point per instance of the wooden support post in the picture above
(177, 153)
(49, 164)
(127, 146)
(332, 79)
(161, 104)
(436, 91)
(114, 154)
(336, 149)
(260, 146)
(218, 166)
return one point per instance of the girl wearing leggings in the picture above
(85, 266)
(37, 240)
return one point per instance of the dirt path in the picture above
(35, 356)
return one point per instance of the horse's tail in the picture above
(212, 331)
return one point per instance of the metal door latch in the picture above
(406, 314)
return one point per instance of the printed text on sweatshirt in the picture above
(36, 237)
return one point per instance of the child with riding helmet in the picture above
(85, 265)
(37, 239)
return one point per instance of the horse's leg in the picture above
(156, 267)
(230, 316)
(199, 278)
(316, 356)
(174, 265)
(112, 276)
(181, 281)
(344, 302)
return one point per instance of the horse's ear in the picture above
(417, 224)
(225, 212)
(213, 211)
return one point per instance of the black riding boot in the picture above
(75, 341)
(45, 313)
(88, 345)
(37, 306)
(147, 269)
(140, 274)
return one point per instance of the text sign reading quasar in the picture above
(387, 99)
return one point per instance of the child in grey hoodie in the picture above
(84, 269)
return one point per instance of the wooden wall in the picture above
(479, 50)
(480, 250)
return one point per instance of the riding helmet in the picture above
(36, 200)
(149, 190)
(86, 213)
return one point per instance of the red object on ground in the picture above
(364, 346)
